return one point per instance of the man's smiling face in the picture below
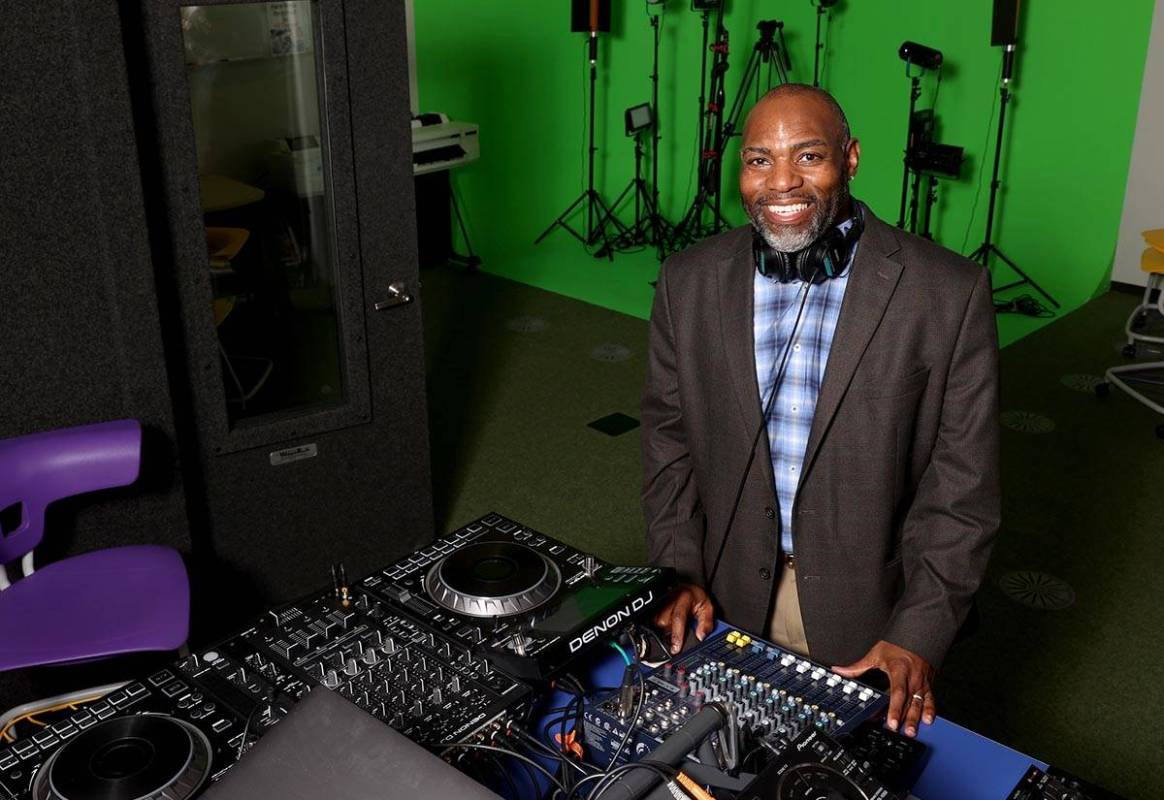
(794, 182)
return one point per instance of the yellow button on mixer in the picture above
(733, 636)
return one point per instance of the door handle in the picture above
(397, 296)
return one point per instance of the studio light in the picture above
(638, 118)
(924, 57)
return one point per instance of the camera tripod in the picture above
(770, 49)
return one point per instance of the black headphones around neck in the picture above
(823, 259)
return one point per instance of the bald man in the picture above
(820, 435)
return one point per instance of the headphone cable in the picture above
(786, 351)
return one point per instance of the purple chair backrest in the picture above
(39, 468)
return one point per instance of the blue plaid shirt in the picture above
(790, 418)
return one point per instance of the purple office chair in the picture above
(101, 603)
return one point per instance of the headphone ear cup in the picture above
(772, 263)
(813, 267)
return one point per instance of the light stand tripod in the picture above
(988, 248)
(691, 227)
(914, 94)
(822, 10)
(767, 51)
(650, 228)
(639, 233)
(597, 211)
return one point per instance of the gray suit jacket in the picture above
(898, 502)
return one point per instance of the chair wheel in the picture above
(1129, 350)
(1102, 389)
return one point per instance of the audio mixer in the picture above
(773, 695)
(429, 687)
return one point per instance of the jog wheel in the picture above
(143, 757)
(493, 579)
(813, 781)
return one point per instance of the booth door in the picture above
(276, 143)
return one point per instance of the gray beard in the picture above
(790, 240)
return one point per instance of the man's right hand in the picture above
(686, 601)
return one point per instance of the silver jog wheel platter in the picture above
(493, 579)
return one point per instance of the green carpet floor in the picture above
(516, 373)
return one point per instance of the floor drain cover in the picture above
(1027, 422)
(615, 424)
(1037, 590)
(610, 353)
(1081, 383)
(527, 324)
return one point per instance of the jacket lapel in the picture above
(871, 285)
(736, 329)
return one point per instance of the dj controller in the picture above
(529, 603)
(454, 645)
(438, 645)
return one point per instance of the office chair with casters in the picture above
(101, 603)
(1137, 380)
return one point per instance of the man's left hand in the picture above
(911, 681)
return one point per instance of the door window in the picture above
(257, 107)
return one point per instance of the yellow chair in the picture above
(1150, 373)
(222, 245)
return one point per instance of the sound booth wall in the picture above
(518, 71)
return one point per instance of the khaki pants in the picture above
(786, 628)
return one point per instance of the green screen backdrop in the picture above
(515, 69)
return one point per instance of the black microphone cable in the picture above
(808, 284)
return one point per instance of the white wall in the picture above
(1144, 198)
